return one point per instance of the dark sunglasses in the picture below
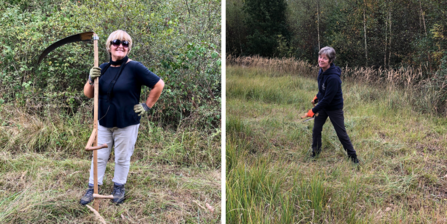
(117, 43)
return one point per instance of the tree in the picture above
(364, 32)
(265, 21)
(235, 27)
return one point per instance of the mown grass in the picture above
(272, 179)
(44, 172)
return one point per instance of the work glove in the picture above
(309, 113)
(141, 109)
(314, 101)
(95, 72)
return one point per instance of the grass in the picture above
(271, 177)
(44, 172)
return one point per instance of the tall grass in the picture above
(408, 76)
(44, 171)
(272, 179)
(64, 135)
(427, 91)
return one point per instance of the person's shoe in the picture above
(118, 193)
(88, 196)
(354, 159)
(315, 152)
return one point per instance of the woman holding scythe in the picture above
(119, 114)
(330, 98)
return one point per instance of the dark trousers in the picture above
(338, 121)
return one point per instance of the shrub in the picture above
(176, 41)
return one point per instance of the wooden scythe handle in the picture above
(94, 148)
(103, 196)
(89, 146)
(95, 123)
(91, 139)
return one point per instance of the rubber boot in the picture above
(88, 196)
(118, 193)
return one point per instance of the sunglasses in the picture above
(117, 43)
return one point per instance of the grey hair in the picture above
(329, 52)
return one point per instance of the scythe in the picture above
(92, 144)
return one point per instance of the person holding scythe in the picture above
(120, 83)
(330, 104)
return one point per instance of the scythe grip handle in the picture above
(95, 123)
(94, 148)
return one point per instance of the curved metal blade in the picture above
(77, 37)
(308, 119)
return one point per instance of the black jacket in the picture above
(330, 96)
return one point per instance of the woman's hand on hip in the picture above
(141, 109)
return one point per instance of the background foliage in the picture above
(176, 40)
(397, 32)
(265, 22)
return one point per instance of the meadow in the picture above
(44, 171)
(271, 177)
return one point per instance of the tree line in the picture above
(373, 33)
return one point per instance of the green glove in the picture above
(95, 72)
(141, 109)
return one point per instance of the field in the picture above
(44, 172)
(271, 177)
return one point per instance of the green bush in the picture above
(176, 40)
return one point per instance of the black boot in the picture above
(315, 152)
(354, 159)
(88, 196)
(118, 193)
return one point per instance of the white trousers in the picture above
(124, 140)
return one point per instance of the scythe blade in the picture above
(77, 37)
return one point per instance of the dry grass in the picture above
(44, 172)
(35, 189)
(280, 66)
(275, 66)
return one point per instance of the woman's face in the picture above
(323, 62)
(118, 52)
